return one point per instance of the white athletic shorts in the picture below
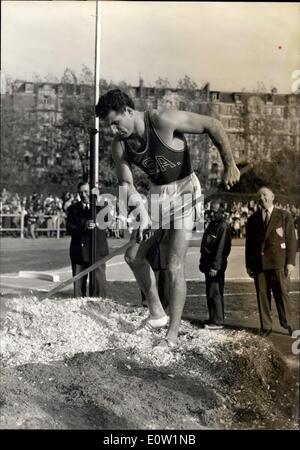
(173, 205)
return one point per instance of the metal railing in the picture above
(57, 228)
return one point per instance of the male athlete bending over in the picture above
(154, 141)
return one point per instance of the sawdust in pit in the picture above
(78, 364)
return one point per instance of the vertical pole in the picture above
(58, 225)
(22, 224)
(94, 155)
(93, 243)
(97, 89)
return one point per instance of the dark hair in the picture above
(114, 100)
(81, 183)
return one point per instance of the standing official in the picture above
(215, 248)
(79, 226)
(270, 259)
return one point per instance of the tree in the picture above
(69, 77)
(260, 87)
(74, 136)
(107, 86)
(123, 86)
(10, 149)
(187, 84)
(51, 78)
(162, 83)
(19, 130)
(36, 78)
(77, 119)
(271, 173)
(86, 76)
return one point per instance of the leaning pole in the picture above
(94, 152)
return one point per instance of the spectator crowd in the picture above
(237, 214)
(42, 212)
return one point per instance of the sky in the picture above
(231, 45)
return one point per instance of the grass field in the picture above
(42, 253)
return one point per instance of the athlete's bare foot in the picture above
(165, 343)
(151, 324)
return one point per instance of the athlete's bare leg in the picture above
(178, 244)
(136, 258)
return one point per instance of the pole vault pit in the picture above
(78, 363)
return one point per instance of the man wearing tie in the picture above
(79, 226)
(270, 259)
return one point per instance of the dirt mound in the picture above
(79, 364)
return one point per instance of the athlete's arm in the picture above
(187, 122)
(125, 179)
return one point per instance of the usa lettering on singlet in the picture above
(161, 163)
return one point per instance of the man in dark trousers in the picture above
(156, 257)
(79, 226)
(270, 259)
(215, 248)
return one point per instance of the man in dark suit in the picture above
(270, 259)
(215, 248)
(79, 226)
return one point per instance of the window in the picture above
(226, 123)
(293, 127)
(28, 88)
(235, 123)
(278, 124)
(268, 110)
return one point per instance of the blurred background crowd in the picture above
(43, 212)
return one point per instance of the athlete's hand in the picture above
(95, 191)
(231, 175)
(250, 272)
(288, 270)
(212, 272)
(144, 229)
(91, 225)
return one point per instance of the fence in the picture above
(22, 229)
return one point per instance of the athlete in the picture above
(154, 141)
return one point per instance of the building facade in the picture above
(258, 124)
